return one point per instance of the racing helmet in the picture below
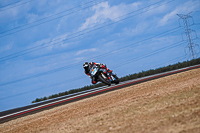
(86, 65)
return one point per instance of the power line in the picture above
(31, 91)
(122, 48)
(76, 11)
(71, 13)
(50, 16)
(161, 34)
(47, 72)
(150, 54)
(45, 21)
(51, 71)
(174, 59)
(3, 8)
(125, 47)
(80, 33)
(116, 66)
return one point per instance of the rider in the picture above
(87, 66)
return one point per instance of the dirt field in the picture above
(169, 104)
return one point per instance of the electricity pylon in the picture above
(190, 34)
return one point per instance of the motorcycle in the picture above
(100, 75)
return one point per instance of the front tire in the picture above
(103, 79)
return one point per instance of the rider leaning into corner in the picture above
(87, 66)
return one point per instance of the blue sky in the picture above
(43, 43)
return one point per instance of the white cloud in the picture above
(182, 9)
(53, 42)
(140, 28)
(104, 12)
(79, 59)
(86, 50)
(6, 47)
(153, 11)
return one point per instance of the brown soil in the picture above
(169, 104)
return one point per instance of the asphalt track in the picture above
(37, 107)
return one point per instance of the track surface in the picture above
(19, 112)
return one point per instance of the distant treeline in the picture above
(128, 77)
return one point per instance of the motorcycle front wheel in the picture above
(104, 79)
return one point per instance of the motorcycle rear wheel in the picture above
(103, 80)
(116, 81)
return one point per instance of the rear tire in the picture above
(103, 80)
(116, 79)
